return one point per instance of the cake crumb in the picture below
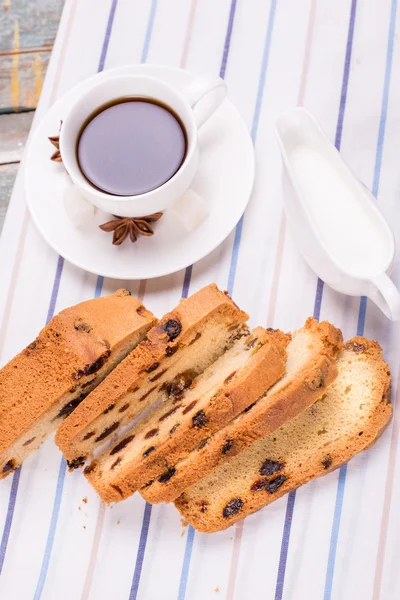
(183, 533)
(79, 508)
(84, 500)
(118, 522)
(84, 526)
(216, 589)
(184, 523)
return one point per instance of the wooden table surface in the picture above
(27, 32)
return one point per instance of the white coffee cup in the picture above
(209, 89)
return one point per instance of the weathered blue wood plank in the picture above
(27, 32)
(37, 22)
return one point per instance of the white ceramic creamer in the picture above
(334, 219)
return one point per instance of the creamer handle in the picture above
(386, 296)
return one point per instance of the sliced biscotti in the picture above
(184, 343)
(348, 419)
(310, 368)
(240, 376)
(70, 356)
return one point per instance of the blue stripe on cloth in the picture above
(56, 287)
(107, 36)
(238, 232)
(385, 99)
(320, 284)
(99, 286)
(61, 473)
(335, 532)
(318, 299)
(346, 75)
(16, 476)
(186, 563)
(141, 551)
(363, 301)
(186, 281)
(149, 31)
(254, 129)
(9, 516)
(235, 255)
(285, 545)
(52, 531)
(228, 37)
(263, 70)
(361, 315)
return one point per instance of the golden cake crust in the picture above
(69, 347)
(176, 329)
(302, 390)
(214, 503)
(265, 366)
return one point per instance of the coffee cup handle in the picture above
(386, 296)
(210, 90)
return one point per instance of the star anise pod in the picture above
(132, 226)
(55, 140)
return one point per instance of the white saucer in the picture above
(224, 180)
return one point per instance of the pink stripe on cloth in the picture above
(94, 552)
(307, 52)
(142, 289)
(189, 30)
(282, 227)
(26, 217)
(394, 443)
(234, 560)
(277, 271)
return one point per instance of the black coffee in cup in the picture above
(131, 147)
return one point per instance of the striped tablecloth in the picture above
(336, 538)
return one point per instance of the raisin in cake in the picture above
(348, 419)
(184, 343)
(70, 356)
(234, 381)
(310, 368)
